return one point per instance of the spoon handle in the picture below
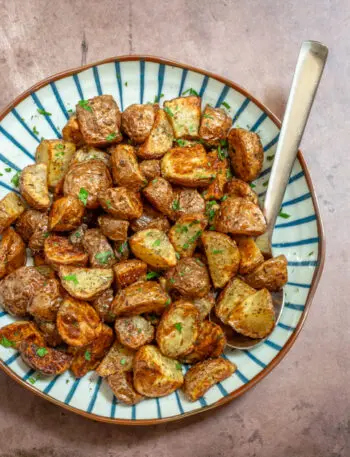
(308, 72)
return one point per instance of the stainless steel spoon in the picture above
(308, 72)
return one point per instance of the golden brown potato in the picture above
(123, 388)
(215, 123)
(246, 154)
(121, 203)
(189, 278)
(238, 188)
(129, 271)
(102, 305)
(46, 301)
(185, 233)
(121, 250)
(251, 256)
(28, 222)
(240, 217)
(89, 153)
(178, 329)
(11, 207)
(85, 283)
(86, 180)
(59, 250)
(125, 168)
(37, 240)
(159, 140)
(215, 190)
(77, 322)
(272, 274)
(71, 131)
(254, 316)
(50, 333)
(77, 236)
(150, 219)
(134, 332)
(33, 186)
(204, 304)
(154, 374)
(18, 289)
(187, 167)
(45, 271)
(12, 252)
(187, 201)
(66, 214)
(234, 293)
(150, 169)
(114, 229)
(140, 297)
(56, 154)
(204, 375)
(13, 334)
(184, 114)
(99, 120)
(39, 260)
(44, 360)
(138, 120)
(100, 252)
(160, 194)
(153, 247)
(118, 358)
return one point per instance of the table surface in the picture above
(303, 407)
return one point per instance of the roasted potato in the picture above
(204, 375)
(28, 222)
(100, 252)
(238, 188)
(129, 271)
(46, 271)
(154, 374)
(125, 168)
(46, 361)
(33, 186)
(150, 169)
(18, 289)
(11, 207)
(89, 153)
(178, 329)
(71, 132)
(234, 293)
(140, 297)
(99, 120)
(77, 236)
(37, 240)
(46, 301)
(134, 332)
(102, 305)
(204, 305)
(13, 334)
(254, 316)
(114, 229)
(215, 123)
(12, 252)
(272, 274)
(150, 219)
(240, 217)
(66, 214)
(121, 203)
(59, 250)
(188, 201)
(160, 194)
(187, 167)
(220, 165)
(121, 250)
(123, 388)
(85, 283)
(119, 358)
(251, 256)
(184, 114)
(56, 154)
(153, 247)
(86, 180)
(159, 140)
(185, 233)
(246, 154)
(189, 278)
(138, 120)
(50, 333)
(77, 322)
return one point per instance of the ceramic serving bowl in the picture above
(298, 233)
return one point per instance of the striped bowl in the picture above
(298, 235)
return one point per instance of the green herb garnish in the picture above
(41, 352)
(15, 179)
(181, 228)
(157, 98)
(43, 112)
(175, 205)
(228, 174)
(168, 111)
(224, 198)
(152, 275)
(83, 195)
(310, 253)
(122, 361)
(87, 355)
(8, 170)
(181, 142)
(85, 105)
(284, 215)
(111, 136)
(156, 243)
(167, 303)
(207, 116)
(178, 326)
(190, 91)
(178, 366)
(177, 255)
(217, 251)
(72, 278)
(35, 131)
(6, 343)
(221, 153)
(103, 257)
(269, 158)
(226, 105)
(252, 185)
(266, 183)
(122, 247)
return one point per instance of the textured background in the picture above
(303, 407)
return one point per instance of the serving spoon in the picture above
(307, 76)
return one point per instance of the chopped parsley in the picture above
(178, 366)
(181, 228)
(252, 185)
(126, 84)
(87, 355)
(172, 281)
(221, 153)
(167, 303)
(6, 343)
(83, 195)
(41, 352)
(310, 253)
(152, 275)
(209, 210)
(157, 98)
(207, 116)
(269, 158)
(223, 143)
(15, 179)
(177, 255)
(35, 131)
(176, 205)
(32, 380)
(228, 174)
(122, 247)
(178, 326)
(190, 91)
(284, 215)
(69, 111)
(217, 251)
(156, 243)
(47, 234)
(226, 105)
(8, 170)
(103, 257)
(123, 361)
(224, 198)
(85, 105)
(43, 112)
(72, 278)
(168, 111)
(266, 183)
(111, 136)
(181, 142)
(1, 174)
(108, 204)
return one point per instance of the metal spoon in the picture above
(308, 72)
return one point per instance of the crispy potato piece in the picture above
(189, 278)
(114, 229)
(238, 188)
(187, 167)
(11, 207)
(186, 232)
(77, 236)
(121, 203)
(28, 222)
(188, 201)
(240, 217)
(123, 388)
(66, 214)
(159, 140)
(56, 154)
(13, 334)
(204, 305)
(33, 186)
(118, 358)
(204, 375)
(125, 168)
(50, 333)
(121, 250)
(71, 131)
(246, 154)
(220, 165)
(89, 153)
(18, 289)
(254, 316)
(140, 297)
(251, 256)
(138, 120)
(77, 322)
(211, 342)
(160, 194)
(39, 260)
(129, 271)
(37, 240)
(272, 274)
(153, 247)
(100, 252)
(12, 252)
(86, 180)
(46, 271)
(46, 301)
(178, 329)
(150, 169)
(154, 374)
(134, 332)
(215, 124)
(184, 114)
(99, 120)
(234, 293)
(150, 219)
(85, 283)
(44, 360)
(59, 250)
(102, 305)
(223, 257)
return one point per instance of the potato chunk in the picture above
(215, 123)
(150, 169)
(121, 203)
(204, 304)
(188, 201)
(159, 140)
(33, 186)
(189, 278)
(29, 221)
(122, 386)
(184, 114)
(204, 375)
(129, 271)
(138, 120)
(13, 334)
(134, 332)
(46, 301)
(66, 214)
(59, 250)
(11, 207)
(125, 168)
(50, 333)
(12, 252)
(185, 233)
(37, 240)
(153, 247)
(160, 194)
(100, 252)
(114, 229)
(234, 293)
(71, 131)
(46, 361)
(102, 305)
(154, 374)
(239, 188)
(150, 219)
(119, 358)
(251, 256)
(89, 153)
(220, 165)
(272, 274)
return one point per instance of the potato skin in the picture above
(137, 121)
(129, 271)
(185, 234)
(33, 186)
(204, 305)
(150, 169)
(22, 331)
(234, 293)
(59, 251)
(114, 229)
(118, 358)
(52, 363)
(100, 252)
(188, 201)
(215, 190)
(37, 240)
(159, 140)
(184, 115)
(28, 222)
(125, 168)
(102, 305)
(50, 333)
(12, 252)
(150, 219)
(66, 214)
(123, 388)
(89, 153)
(189, 278)
(215, 124)
(160, 194)
(202, 376)
(238, 188)
(71, 131)
(121, 203)
(134, 332)
(251, 256)
(46, 301)
(11, 207)
(121, 250)
(272, 274)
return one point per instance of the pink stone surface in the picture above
(303, 407)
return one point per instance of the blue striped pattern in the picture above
(289, 244)
(142, 79)
(183, 79)
(51, 384)
(23, 123)
(255, 359)
(258, 122)
(3, 313)
(203, 86)
(303, 263)
(16, 143)
(97, 80)
(72, 391)
(303, 220)
(272, 345)
(297, 200)
(9, 188)
(271, 143)
(294, 307)
(222, 96)
(240, 110)
(298, 284)
(78, 86)
(241, 376)
(159, 411)
(48, 118)
(12, 359)
(120, 83)
(286, 327)
(28, 375)
(94, 395)
(161, 72)
(179, 404)
(8, 163)
(114, 406)
(59, 100)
